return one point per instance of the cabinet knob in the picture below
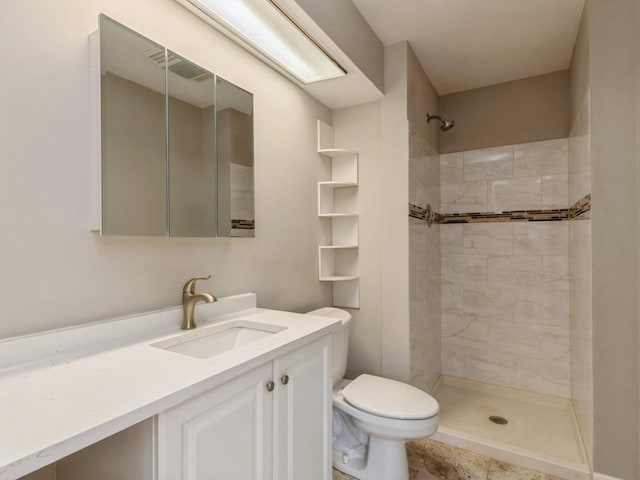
(284, 379)
(270, 386)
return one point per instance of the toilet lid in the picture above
(388, 398)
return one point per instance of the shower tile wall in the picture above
(505, 286)
(424, 268)
(580, 267)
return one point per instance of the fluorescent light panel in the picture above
(267, 29)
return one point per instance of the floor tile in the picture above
(430, 460)
(505, 471)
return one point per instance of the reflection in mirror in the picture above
(192, 169)
(134, 185)
(234, 118)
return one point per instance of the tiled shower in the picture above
(501, 282)
(424, 268)
(505, 284)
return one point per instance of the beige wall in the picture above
(358, 128)
(394, 219)
(126, 455)
(57, 273)
(382, 339)
(422, 98)
(615, 236)
(521, 111)
(579, 72)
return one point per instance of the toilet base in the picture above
(386, 460)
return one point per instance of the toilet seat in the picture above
(389, 398)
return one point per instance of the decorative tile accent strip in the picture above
(417, 212)
(579, 210)
(511, 216)
(243, 224)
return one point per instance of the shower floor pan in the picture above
(541, 431)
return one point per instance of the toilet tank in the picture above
(340, 339)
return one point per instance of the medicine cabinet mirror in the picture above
(176, 143)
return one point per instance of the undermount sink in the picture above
(212, 341)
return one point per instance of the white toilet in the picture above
(373, 417)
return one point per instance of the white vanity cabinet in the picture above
(271, 423)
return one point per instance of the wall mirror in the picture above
(176, 143)
(235, 160)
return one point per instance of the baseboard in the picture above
(602, 476)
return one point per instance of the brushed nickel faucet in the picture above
(189, 300)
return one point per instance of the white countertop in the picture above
(52, 407)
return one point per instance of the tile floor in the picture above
(431, 460)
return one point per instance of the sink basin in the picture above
(212, 341)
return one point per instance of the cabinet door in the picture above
(224, 434)
(303, 413)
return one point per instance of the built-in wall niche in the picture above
(338, 207)
(173, 146)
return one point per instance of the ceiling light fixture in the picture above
(267, 29)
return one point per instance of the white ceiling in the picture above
(466, 44)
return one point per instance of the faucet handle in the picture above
(190, 286)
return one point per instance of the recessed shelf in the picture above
(338, 279)
(338, 262)
(332, 184)
(337, 152)
(337, 215)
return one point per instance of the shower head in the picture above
(444, 124)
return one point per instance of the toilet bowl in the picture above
(373, 417)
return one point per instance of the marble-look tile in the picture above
(489, 302)
(517, 339)
(555, 272)
(451, 239)
(556, 343)
(488, 239)
(515, 271)
(555, 191)
(579, 186)
(464, 330)
(431, 460)
(580, 235)
(579, 167)
(579, 149)
(452, 359)
(451, 168)
(541, 158)
(463, 197)
(464, 269)
(542, 306)
(488, 163)
(417, 182)
(541, 238)
(485, 365)
(514, 194)
(452, 299)
(506, 471)
(551, 377)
